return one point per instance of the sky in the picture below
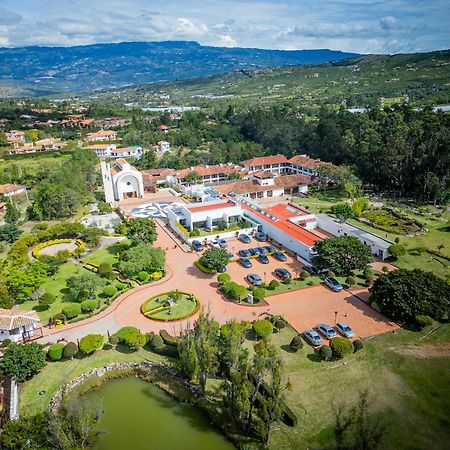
(362, 26)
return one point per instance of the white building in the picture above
(102, 135)
(162, 147)
(305, 165)
(121, 181)
(18, 325)
(9, 190)
(276, 164)
(111, 151)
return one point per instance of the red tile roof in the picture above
(305, 161)
(8, 188)
(216, 169)
(228, 204)
(265, 160)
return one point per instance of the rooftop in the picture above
(211, 206)
(265, 160)
(14, 318)
(7, 188)
(305, 161)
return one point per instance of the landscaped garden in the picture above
(170, 306)
(389, 220)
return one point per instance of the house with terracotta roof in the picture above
(102, 135)
(121, 181)
(18, 325)
(9, 189)
(12, 135)
(163, 129)
(305, 165)
(111, 151)
(277, 164)
(210, 174)
(154, 177)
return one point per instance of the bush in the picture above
(304, 275)
(223, 278)
(259, 293)
(90, 343)
(274, 284)
(168, 339)
(70, 350)
(105, 270)
(397, 250)
(367, 272)
(351, 281)
(155, 341)
(262, 328)
(296, 343)
(195, 232)
(113, 339)
(55, 352)
(71, 311)
(47, 299)
(423, 321)
(385, 269)
(142, 275)
(325, 352)
(341, 347)
(89, 305)
(120, 286)
(110, 290)
(369, 280)
(331, 274)
(280, 324)
(286, 281)
(204, 269)
(357, 345)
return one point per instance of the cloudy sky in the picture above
(364, 26)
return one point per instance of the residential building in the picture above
(276, 164)
(210, 174)
(154, 177)
(102, 135)
(49, 144)
(10, 190)
(18, 325)
(15, 134)
(304, 164)
(162, 147)
(121, 180)
(111, 151)
(163, 129)
(103, 150)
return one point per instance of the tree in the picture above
(74, 426)
(23, 281)
(9, 233)
(142, 258)
(83, 287)
(131, 337)
(90, 343)
(402, 294)
(70, 350)
(141, 229)
(342, 254)
(12, 214)
(193, 178)
(22, 362)
(187, 356)
(26, 433)
(214, 258)
(342, 211)
(147, 160)
(105, 270)
(47, 299)
(231, 351)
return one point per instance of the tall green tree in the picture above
(22, 362)
(141, 229)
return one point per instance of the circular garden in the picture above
(54, 247)
(169, 306)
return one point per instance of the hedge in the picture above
(89, 305)
(70, 350)
(224, 278)
(55, 352)
(168, 339)
(341, 347)
(203, 268)
(81, 247)
(110, 290)
(262, 328)
(71, 311)
(90, 343)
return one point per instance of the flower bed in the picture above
(391, 221)
(167, 307)
(80, 247)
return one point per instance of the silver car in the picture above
(312, 337)
(326, 331)
(333, 284)
(345, 330)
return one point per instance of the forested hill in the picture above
(361, 81)
(42, 70)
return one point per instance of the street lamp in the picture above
(335, 317)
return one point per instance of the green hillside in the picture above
(423, 77)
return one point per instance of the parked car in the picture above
(280, 256)
(345, 330)
(230, 255)
(263, 259)
(260, 236)
(254, 279)
(197, 246)
(269, 249)
(245, 238)
(245, 262)
(254, 251)
(333, 284)
(282, 273)
(214, 243)
(312, 337)
(326, 330)
(311, 269)
(222, 243)
(245, 253)
(261, 250)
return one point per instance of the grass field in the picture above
(104, 255)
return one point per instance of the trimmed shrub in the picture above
(351, 281)
(286, 281)
(296, 343)
(47, 299)
(304, 275)
(325, 352)
(195, 232)
(168, 339)
(71, 311)
(341, 347)
(397, 250)
(273, 284)
(331, 274)
(113, 339)
(110, 290)
(142, 275)
(204, 269)
(357, 345)
(259, 293)
(423, 321)
(369, 280)
(89, 305)
(385, 269)
(280, 324)
(262, 328)
(90, 343)
(105, 270)
(155, 341)
(120, 286)
(55, 352)
(367, 272)
(223, 278)
(70, 350)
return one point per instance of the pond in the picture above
(139, 416)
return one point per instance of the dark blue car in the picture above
(245, 238)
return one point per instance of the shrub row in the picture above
(203, 268)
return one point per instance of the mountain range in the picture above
(32, 71)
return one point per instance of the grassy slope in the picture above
(104, 255)
(419, 75)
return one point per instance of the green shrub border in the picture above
(195, 310)
(204, 269)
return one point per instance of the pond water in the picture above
(140, 416)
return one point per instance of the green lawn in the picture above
(55, 285)
(57, 373)
(104, 255)
(184, 307)
(294, 285)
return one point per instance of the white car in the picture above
(215, 244)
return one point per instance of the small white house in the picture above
(162, 147)
(17, 325)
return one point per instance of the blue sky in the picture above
(364, 26)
